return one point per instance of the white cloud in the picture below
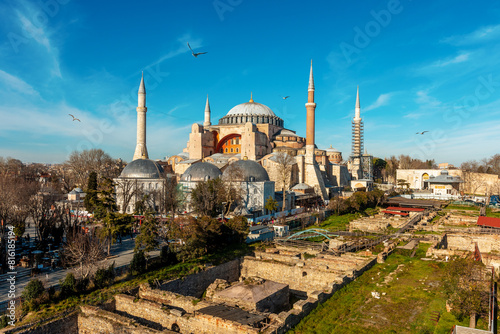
(16, 84)
(450, 61)
(382, 100)
(40, 35)
(482, 34)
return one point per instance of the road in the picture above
(121, 254)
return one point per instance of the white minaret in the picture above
(310, 126)
(207, 114)
(141, 152)
(357, 130)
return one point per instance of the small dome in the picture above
(201, 171)
(301, 186)
(250, 171)
(142, 169)
(250, 109)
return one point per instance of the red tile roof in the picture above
(395, 213)
(488, 221)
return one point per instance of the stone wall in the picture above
(94, 320)
(309, 275)
(187, 303)
(486, 243)
(195, 285)
(65, 324)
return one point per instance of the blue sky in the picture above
(420, 65)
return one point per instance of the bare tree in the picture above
(126, 189)
(232, 192)
(285, 163)
(82, 163)
(172, 196)
(84, 251)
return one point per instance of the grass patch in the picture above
(410, 290)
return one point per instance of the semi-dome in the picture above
(142, 169)
(245, 170)
(201, 171)
(250, 109)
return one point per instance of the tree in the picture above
(32, 295)
(378, 166)
(90, 199)
(126, 189)
(206, 199)
(87, 161)
(232, 192)
(466, 285)
(83, 251)
(271, 204)
(238, 228)
(146, 240)
(285, 162)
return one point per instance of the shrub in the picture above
(82, 284)
(32, 295)
(33, 290)
(4, 321)
(104, 277)
(68, 286)
(138, 263)
(167, 256)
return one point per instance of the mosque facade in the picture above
(252, 131)
(253, 136)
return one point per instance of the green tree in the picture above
(68, 285)
(466, 285)
(32, 295)
(90, 199)
(104, 277)
(271, 204)
(239, 229)
(138, 263)
(146, 240)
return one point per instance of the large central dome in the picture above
(251, 111)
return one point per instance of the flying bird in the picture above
(421, 133)
(197, 53)
(74, 118)
(285, 97)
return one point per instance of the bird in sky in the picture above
(421, 133)
(197, 53)
(285, 97)
(74, 118)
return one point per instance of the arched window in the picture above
(231, 150)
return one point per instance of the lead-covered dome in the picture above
(245, 170)
(251, 108)
(142, 169)
(201, 171)
(253, 112)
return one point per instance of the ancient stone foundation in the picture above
(248, 295)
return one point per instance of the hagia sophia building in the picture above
(252, 135)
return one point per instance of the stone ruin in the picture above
(376, 224)
(269, 292)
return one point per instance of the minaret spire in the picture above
(310, 123)
(207, 114)
(141, 152)
(357, 110)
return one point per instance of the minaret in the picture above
(357, 130)
(141, 152)
(310, 107)
(207, 114)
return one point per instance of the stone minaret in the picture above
(310, 107)
(141, 152)
(207, 114)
